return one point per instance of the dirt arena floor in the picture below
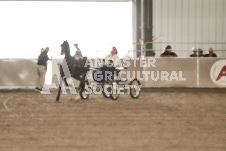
(160, 120)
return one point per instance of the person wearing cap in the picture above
(200, 52)
(168, 53)
(194, 52)
(78, 53)
(210, 53)
(42, 68)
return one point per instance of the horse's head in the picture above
(65, 48)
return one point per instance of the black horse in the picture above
(77, 68)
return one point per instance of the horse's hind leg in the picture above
(82, 83)
(80, 79)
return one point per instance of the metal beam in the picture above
(142, 25)
(148, 22)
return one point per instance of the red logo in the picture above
(222, 73)
(218, 73)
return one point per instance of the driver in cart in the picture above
(112, 58)
(111, 61)
(108, 70)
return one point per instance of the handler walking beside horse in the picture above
(42, 68)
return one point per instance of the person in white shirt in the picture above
(112, 57)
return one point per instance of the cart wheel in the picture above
(135, 89)
(106, 89)
(114, 90)
(84, 93)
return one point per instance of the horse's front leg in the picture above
(65, 81)
(62, 77)
(59, 91)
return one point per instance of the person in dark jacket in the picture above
(167, 52)
(210, 53)
(42, 68)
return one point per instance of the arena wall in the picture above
(17, 73)
(173, 72)
(183, 72)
